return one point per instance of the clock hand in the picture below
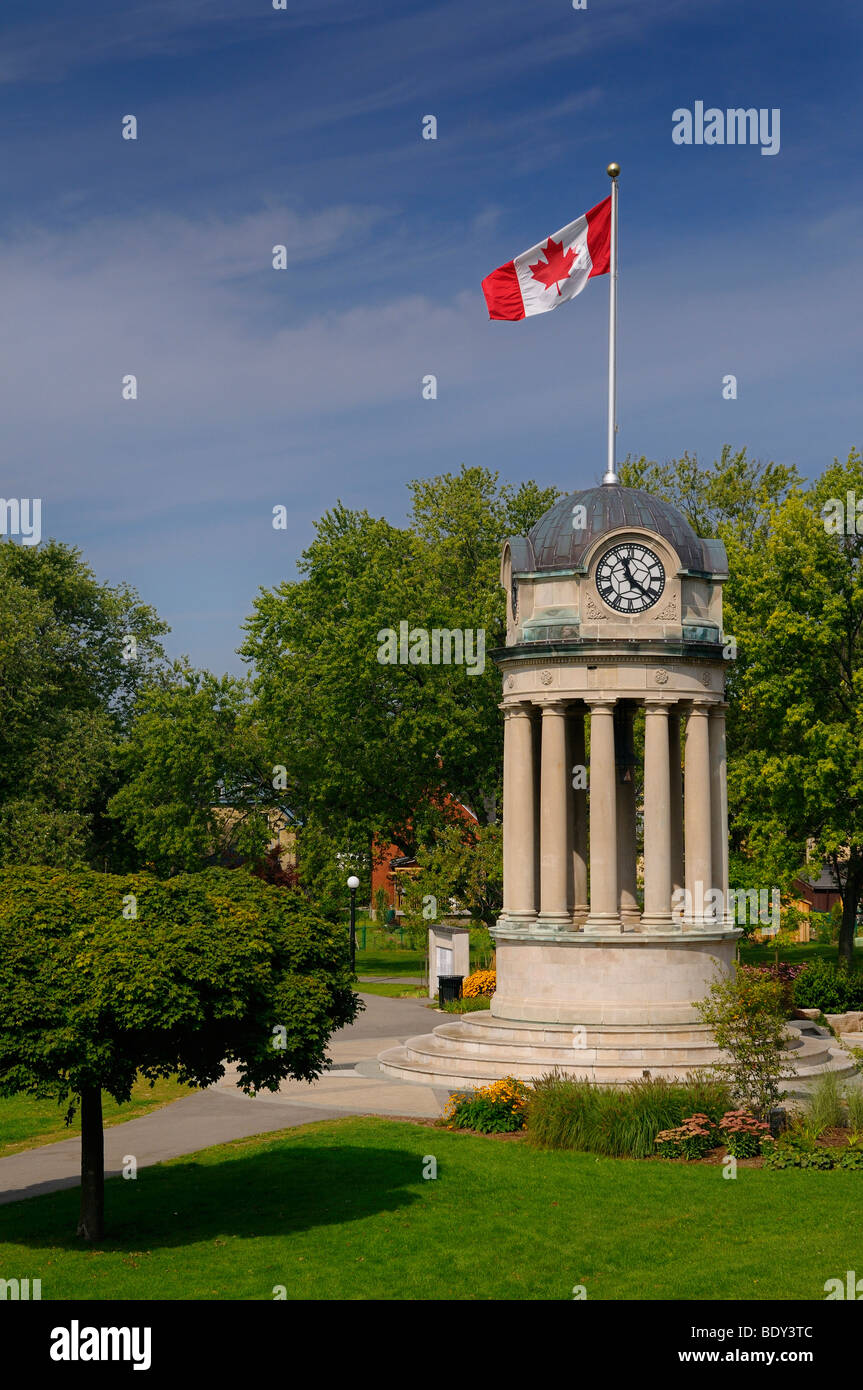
(631, 577)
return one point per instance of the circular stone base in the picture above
(479, 1048)
(633, 979)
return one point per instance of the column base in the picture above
(694, 924)
(659, 922)
(520, 917)
(554, 921)
(603, 922)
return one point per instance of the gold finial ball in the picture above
(613, 170)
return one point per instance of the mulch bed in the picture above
(830, 1138)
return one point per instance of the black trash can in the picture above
(449, 988)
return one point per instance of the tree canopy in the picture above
(105, 976)
(372, 745)
(74, 654)
(794, 605)
(197, 778)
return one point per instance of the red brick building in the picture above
(391, 869)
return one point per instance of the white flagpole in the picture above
(613, 171)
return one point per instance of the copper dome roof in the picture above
(553, 544)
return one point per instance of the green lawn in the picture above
(26, 1122)
(340, 1210)
(390, 962)
(797, 954)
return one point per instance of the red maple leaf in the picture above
(555, 267)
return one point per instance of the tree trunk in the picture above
(850, 900)
(91, 1224)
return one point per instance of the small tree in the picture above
(104, 976)
(746, 1013)
(465, 863)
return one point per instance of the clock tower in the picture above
(616, 915)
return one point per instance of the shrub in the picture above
(564, 1113)
(481, 982)
(828, 987)
(495, 1109)
(746, 1015)
(744, 1136)
(784, 973)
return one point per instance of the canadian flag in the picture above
(553, 271)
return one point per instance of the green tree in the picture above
(197, 777)
(746, 1015)
(74, 654)
(372, 747)
(464, 863)
(797, 773)
(732, 498)
(106, 976)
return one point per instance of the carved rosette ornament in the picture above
(706, 678)
(592, 610)
(661, 677)
(546, 677)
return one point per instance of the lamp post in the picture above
(353, 884)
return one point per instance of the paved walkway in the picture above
(222, 1113)
(391, 979)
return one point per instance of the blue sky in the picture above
(303, 127)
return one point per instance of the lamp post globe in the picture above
(353, 883)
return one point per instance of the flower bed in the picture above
(481, 982)
(740, 1132)
(495, 1109)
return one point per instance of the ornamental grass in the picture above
(619, 1122)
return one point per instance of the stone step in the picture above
(439, 1071)
(463, 1054)
(514, 1032)
(474, 1050)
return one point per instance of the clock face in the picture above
(630, 577)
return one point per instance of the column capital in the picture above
(657, 707)
(558, 707)
(700, 707)
(513, 708)
(719, 708)
(602, 702)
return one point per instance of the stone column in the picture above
(627, 871)
(536, 732)
(657, 820)
(604, 915)
(676, 785)
(697, 818)
(554, 830)
(519, 880)
(577, 770)
(719, 810)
